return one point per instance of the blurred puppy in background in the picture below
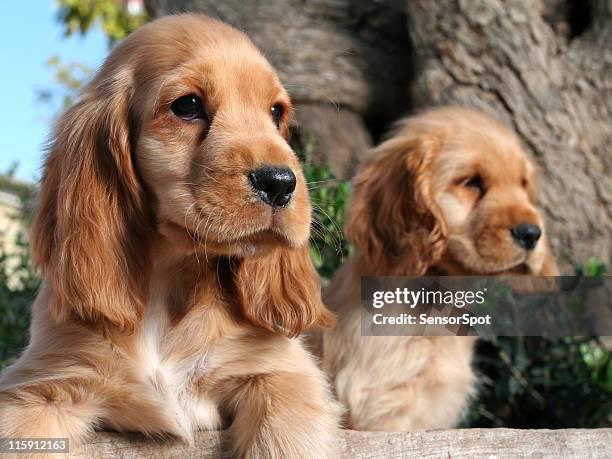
(451, 192)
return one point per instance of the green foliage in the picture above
(18, 287)
(114, 18)
(543, 383)
(329, 197)
(593, 268)
(18, 280)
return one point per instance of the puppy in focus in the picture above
(172, 233)
(451, 192)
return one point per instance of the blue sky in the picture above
(29, 36)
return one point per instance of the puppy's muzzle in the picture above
(527, 235)
(273, 185)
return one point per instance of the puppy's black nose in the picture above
(274, 185)
(526, 235)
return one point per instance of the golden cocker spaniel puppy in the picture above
(172, 233)
(451, 192)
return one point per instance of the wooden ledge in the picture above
(458, 443)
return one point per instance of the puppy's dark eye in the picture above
(476, 183)
(188, 107)
(277, 111)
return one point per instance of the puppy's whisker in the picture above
(316, 232)
(231, 266)
(185, 219)
(318, 185)
(316, 246)
(197, 232)
(218, 278)
(199, 220)
(317, 201)
(207, 175)
(336, 241)
(334, 224)
(322, 231)
(203, 166)
(207, 226)
(335, 245)
(327, 180)
(322, 227)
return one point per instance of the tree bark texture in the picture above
(544, 67)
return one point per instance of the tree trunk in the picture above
(544, 67)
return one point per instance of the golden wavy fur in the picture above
(441, 196)
(172, 291)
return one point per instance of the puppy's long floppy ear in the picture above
(89, 233)
(393, 218)
(281, 292)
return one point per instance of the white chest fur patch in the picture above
(173, 378)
